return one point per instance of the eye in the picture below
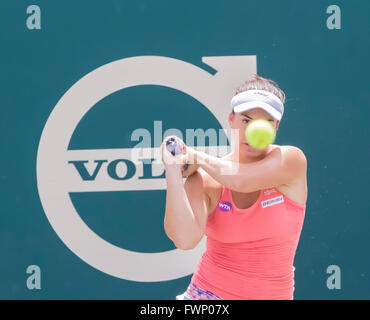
(245, 121)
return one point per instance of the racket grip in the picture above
(174, 147)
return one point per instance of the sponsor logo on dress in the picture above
(272, 201)
(225, 206)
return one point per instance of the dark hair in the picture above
(257, 82)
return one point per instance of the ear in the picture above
(231, 117)
(277, 125)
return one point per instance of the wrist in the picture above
(173, 171)
(199, 158)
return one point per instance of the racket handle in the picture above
(174, 147)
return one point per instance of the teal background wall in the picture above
(323, 72)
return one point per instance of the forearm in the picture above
(180, 223)
(223, 171)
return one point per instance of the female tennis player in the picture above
(250, 204)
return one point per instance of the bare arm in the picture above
(279, 167)
(186, 209)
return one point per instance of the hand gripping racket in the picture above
(174, 147)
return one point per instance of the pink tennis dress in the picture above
(250, 252)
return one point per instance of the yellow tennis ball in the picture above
(260, 133)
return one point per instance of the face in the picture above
(239, 121)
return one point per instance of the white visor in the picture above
(251, 99)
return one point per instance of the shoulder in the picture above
(290, 164)
(290, 154)
(295, 171)
(297, 155)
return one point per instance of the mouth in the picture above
(248, 146)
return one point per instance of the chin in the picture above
(247, 148)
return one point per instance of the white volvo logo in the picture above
(56, 177)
